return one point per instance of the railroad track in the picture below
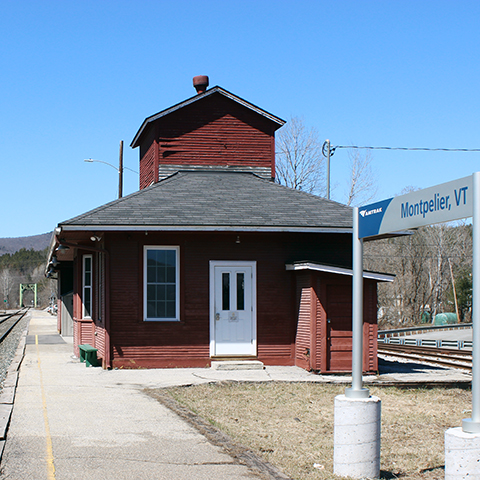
(444, 357)
(8, 322)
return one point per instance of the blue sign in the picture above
(442, 203)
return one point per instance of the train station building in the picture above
(210, 258)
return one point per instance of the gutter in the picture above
(205, 228)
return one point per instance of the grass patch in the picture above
(291, 424)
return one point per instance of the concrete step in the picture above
(237, 365)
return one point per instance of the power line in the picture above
(423, 149)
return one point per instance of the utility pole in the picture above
(120, 171)
(328, 152)
(328, 169)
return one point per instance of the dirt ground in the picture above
(290, 425)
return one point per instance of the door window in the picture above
(240, 291)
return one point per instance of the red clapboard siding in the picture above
(282, 338)
(319, 335)
(100, 341)
(304, 330)
(225, 141)
(147, 167)
(370, 360)
(213, 132)
(339, 329)
(188, 340)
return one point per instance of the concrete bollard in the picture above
(462, 455)
(356, 432)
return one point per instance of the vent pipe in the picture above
(200, 82)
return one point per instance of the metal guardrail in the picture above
(422, 329)
(425, 342)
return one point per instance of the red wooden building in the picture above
(210, 258)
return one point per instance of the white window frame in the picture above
(176, 249)
(86, 287)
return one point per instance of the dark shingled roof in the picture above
(215, 200)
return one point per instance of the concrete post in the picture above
(462, 455)
(356, 432)
(462, 445)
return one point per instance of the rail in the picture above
(441, 356)
(8, 323)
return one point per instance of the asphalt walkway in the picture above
(70, 422)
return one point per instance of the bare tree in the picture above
(421, 263)
(299, 161)
(362, 186)
(6, 284)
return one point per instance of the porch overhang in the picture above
(318, 267)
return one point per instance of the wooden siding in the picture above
(90, 330)
(304, 325)
(339, 328)
(136, 343)
(215, 132)
(324, 323)
(370, 333)
(147, 167)
(319, 334)
(291, 316)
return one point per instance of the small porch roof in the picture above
(318, 267)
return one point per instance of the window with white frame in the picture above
(161, 283)
(87, 286)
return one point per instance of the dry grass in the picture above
(291, 425)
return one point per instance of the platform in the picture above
(73, 422)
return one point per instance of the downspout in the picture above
(108, 359)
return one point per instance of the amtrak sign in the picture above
(443, 203)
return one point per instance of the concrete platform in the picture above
(237, 365)
(73, 422)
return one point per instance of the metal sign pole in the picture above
(357, 391)
(472, 425)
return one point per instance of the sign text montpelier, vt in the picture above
(442, 203)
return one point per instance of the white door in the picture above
(233, 309)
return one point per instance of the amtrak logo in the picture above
(371, 217)
(365, 213)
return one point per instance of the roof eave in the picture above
(379, 277)
(204, 228)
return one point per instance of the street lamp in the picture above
(120, 168)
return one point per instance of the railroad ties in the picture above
(9, 320)
(446, 357)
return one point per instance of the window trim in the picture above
(85, 287)
(146, 248)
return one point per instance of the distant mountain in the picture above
(37, 242)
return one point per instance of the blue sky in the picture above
(79, 76)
